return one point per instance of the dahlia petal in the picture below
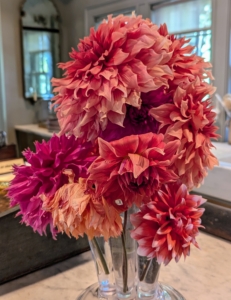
(139, 164)
(118, 56)
(164, 229)
(144, 251)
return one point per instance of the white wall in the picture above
(18, 111)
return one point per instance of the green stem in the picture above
(101, 257)
(145, 270)
(125, 223)
(125, 261)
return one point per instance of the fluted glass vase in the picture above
(123, 250)
(102, 257)
(148, 274)
(122, 274)
(148, 286)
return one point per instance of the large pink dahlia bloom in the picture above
(126, 56)
(166, 227)
(189, 119)
(45, 176)
(135, 165)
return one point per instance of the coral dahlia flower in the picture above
(124, 57)
(137, 165)
(189, 119)
(166, 227)
(76, 211)
(45, 175)
(186, 65)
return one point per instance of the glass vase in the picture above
(102, 257)
(123, 250)
(122, 274)
(148, 274)
(148, 286)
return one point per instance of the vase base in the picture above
(93, 293)
(169, 293)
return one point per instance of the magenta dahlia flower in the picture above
(166, 227)
(45, 176)
(137, 165)
(125, 57)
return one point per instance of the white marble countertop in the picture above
(205, 275)
(217, 183)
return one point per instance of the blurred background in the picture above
(37, 34)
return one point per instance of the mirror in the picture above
(40, 24)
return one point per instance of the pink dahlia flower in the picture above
(137, 165)
(166, 227)
(45, 176)
(76, 211)
(138, 120)
(125, 57)
(189, 119)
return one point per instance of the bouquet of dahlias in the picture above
(135, 112)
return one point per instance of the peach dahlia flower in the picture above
(76, 211)
(166, 227)
(113, 65)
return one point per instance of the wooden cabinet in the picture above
(8, 152)
(26, 135)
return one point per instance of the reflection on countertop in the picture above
(205, 275)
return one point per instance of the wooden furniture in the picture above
(26, 135)
(23, 251)
(8, 152)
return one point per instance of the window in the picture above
(190, 18)
(39, 62)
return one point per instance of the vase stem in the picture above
(101, 257)
(125, 262)
(145, 271)
(125, 265)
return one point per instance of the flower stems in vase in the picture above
(101, 257)
(148, 271)
(125, 262)
(103, 261)
(123, 249)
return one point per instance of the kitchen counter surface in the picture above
(34, 128)
(205, 275)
